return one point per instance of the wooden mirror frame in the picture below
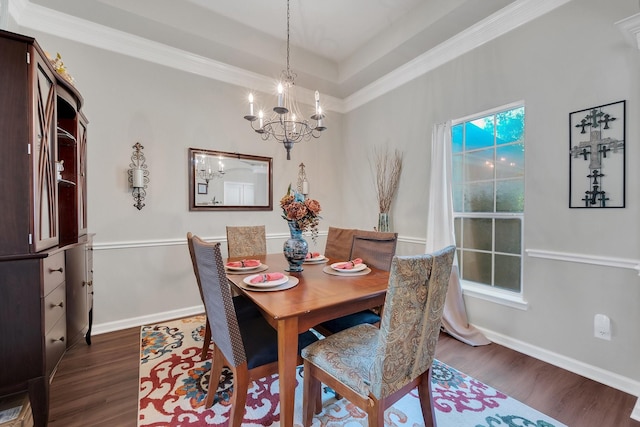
(198, 186)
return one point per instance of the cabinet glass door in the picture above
(44, 160)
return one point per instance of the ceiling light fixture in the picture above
(286, 125)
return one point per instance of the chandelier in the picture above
(286, 124)
(206, 172)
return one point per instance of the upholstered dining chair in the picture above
(243, 241)
(376, 249)
(339, 241)
(374, 367)
(243, 341)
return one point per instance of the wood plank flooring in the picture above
(97, 385)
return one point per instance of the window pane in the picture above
(478, 197)
(457, 195)
(510, 126)
(510, 196)
(476, 267)
(508, 236)
(456, 228)
(510, 161)
(456, 138)
(479, 165)
(477, 233)
(457, 167)
(479, 133)
(507, 274)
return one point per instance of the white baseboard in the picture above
(602, 376)
(103, 328)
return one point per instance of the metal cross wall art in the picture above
(597, 157)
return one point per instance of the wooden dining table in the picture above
(317, 297)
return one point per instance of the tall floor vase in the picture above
(295, 248)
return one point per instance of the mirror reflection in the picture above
(233, 181)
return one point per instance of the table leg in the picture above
(287, 362)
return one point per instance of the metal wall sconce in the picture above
(303, 184)
(138, 176)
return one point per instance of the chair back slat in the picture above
(216, 293)
(245, 241)
(411, 319)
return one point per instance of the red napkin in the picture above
(349, 264)
(244, 263)
(268, 277)
(313, 255)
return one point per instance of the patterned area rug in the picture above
(174, 381)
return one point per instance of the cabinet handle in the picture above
(60, 304)
(51, 270)
(61, 339)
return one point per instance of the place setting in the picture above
(354, 267)
(245, 266)
(315, 258)
(268, 282)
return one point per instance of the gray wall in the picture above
(571, 59)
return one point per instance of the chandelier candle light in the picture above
(285, 124)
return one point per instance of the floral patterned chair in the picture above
(374, 367)
(245, 241)
(243, 340)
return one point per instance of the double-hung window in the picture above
(488, 196)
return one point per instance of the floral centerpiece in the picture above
(302, 214)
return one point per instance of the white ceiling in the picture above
(337, 46)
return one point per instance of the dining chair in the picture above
(243, 241)
(339, 241)
(374, 367)
(207, 329)
(376, 249)
(243, 341)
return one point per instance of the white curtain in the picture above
(440, 233)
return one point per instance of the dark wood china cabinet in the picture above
(46, 272)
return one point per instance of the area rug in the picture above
(174, 381)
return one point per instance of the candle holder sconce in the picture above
(138, 176)
(302, 184)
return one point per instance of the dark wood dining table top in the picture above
(317, 292)
(317, 297)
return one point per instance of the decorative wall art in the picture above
(597, 157)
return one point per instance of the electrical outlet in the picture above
(602, 327)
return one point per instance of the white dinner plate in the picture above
(317, 260)
(356, 268)
(243, 268)
(269, 284)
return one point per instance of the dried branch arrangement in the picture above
(388, 169)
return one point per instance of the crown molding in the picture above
(36, 17)
(631, 28)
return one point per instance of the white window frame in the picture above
(483, 291)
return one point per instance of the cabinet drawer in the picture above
(52, 272)
(55, 344)
(54, 307)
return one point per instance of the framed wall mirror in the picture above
(229, 181)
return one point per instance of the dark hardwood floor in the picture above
(97, 385)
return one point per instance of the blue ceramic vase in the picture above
(295, 248)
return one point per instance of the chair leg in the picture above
(217, 362)
(425, 395)
(207, 341)
(375, 414)
(239, 397)
(311, 394)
